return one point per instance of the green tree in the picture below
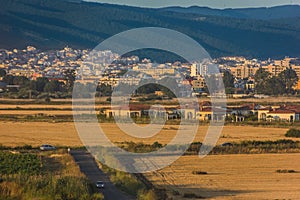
(289, 79)
(104, 90)
(274, 86)
(147, 86)
(2, 72)
(9, 79)
(70, 76)
(53, 86)
(228, 79)
(21, 80)
(40, 83)
(32, 85)
(261, 78)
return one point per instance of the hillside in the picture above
(52, 24)
(278, 12)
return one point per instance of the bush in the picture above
(175, 192)
(97, 196)
(127, 182)
(192, 195)
(146, 195)
(293, 133)
(199, 173)
(285, 171)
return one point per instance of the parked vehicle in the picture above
(47, 147)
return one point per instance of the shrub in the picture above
(47, 100)
(97, 196)
(175, 192)
(126, 182)
(293, 133)
(192, 195)
(285, 171)
(146, 195)
(199, 173)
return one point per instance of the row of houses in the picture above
(279, 113)
(206, 112)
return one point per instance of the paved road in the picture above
(89, 167)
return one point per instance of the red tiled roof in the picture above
(282, 112)
(216, 110)
(265, 109)
(136, 107)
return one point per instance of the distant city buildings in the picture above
(108, 68)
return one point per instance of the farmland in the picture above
(30, 174)
(64, 134)
(232, 177)
(221, 176)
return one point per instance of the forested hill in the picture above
(277, 12)
(52, 24)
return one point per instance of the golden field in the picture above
(229, 176)
(229, 100)
(65, 134)
(234, 177)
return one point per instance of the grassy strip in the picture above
(102, 119)
(130, 184)
(259, 147)
(243, 147)
(35, 109)
(37, 118)
(46, 175)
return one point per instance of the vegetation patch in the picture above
(140, 147)
(29, 176)
(286, 171)
(243, 147)
(293, 133)
(15, 163)
(199, 173)
(129, 184)
(175, 192)
(192, 196)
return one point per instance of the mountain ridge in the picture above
(263, 13)
(53, 24)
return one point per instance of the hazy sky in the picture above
(208, 3)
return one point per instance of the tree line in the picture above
(284, 83)
(267, 84)
(44, 87)
(40, 87)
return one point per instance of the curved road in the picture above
(89, 167)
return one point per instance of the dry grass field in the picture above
(36, 112)
(65, 134)
(229, 100)
(37, 133)
(243, 177)
(229, 176)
